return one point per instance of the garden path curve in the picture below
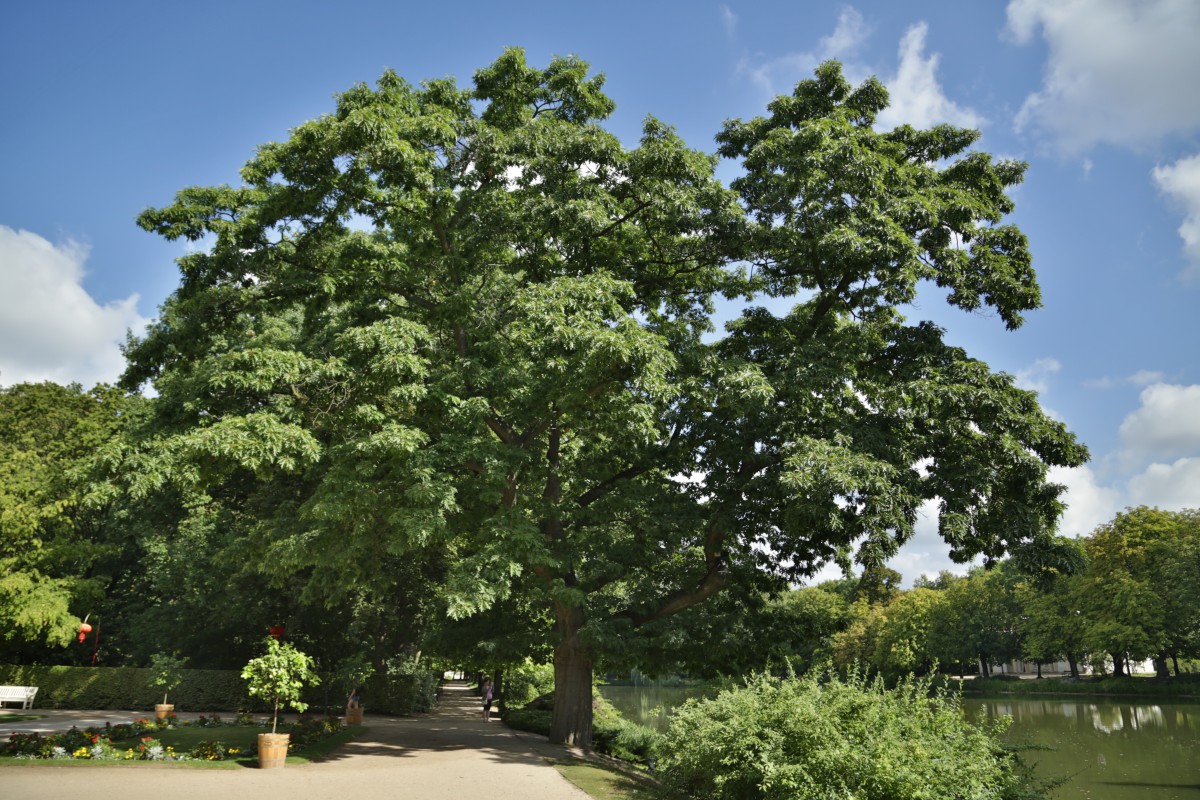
(448, 754)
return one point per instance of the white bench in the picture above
(18, 694)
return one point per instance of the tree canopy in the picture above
(472, 322)
(48, 542)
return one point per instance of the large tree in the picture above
(473, 320)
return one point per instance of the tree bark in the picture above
(1073, 664)
(572, 720)
(1118, 665)
(1161, 672)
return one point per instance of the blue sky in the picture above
(112, 107)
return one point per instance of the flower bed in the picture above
(142, 740)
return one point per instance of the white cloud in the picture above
(1143, 377)
(50, 327)
(778, 75)
(1118, 71)
(729, 20)
(1088, 503)
(1169, 486)
(916, 96)
(1181, 182)
(1036, 378)
(1165, 426)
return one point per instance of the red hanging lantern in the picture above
(276, 631)
(84, 630)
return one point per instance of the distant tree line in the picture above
(1127, 593)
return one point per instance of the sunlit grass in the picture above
(602, 782)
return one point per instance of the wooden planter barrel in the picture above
(272, 750)
(163, 710)
(354, 716)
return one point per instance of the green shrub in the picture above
(1176, 686)
(524, 683)
(126, 688)
(404, 687)
(821, 737)
(533, 720)
(620, 738)
(612, 734)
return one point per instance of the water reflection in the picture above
(1109, 750)
(1103, 716)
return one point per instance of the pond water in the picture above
(1107, 748)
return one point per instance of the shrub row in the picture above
(404, 689)
(612, 734)
(127, 688)
(1187, 685)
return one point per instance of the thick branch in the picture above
(714, 580)
(608, 484)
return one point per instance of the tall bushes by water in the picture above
(821, 737)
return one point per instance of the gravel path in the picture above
(448, 754)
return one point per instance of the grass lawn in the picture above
(8, 719)
(602, 782)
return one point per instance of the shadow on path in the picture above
(449, 753)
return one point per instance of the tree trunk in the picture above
(1175, 661)
(1118, 665)
(1161, 672)
(1073, 664)
(1039, 670)
(497, 686)
(572, 721)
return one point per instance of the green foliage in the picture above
(125, 687)
(1185, 686)
(506, 375)
(279, 676)
(618, 737)
(166, 672)
(49, 540)
(525, 682)
(534, 720)
(351, 672)
(1138, 594)
(823, 737)
(403, 687)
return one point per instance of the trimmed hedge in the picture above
(128, 688)
(405, 689)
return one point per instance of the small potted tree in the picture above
(166, 674)
(278, 676)
(350, 674)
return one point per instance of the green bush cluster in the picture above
(821, 737)
(126, 687)
(612, 734)
(526, 682)
(616, 736)
(1178, 686)
(403, 688)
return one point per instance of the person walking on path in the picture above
(486, 691)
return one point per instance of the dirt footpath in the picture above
(448, 754)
